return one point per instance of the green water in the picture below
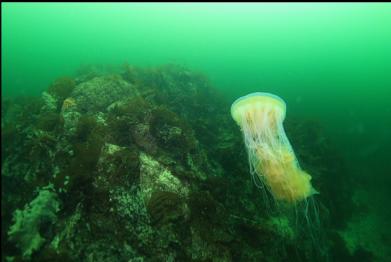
(330, 62)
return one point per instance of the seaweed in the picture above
(30, 104)
(172, 133)
(217, 186)
(50, 122)
(84, 128)
(253, 235)
(203, 207)
(48, 254)
(126, 165)
(86, 156)
(41, 145)
(164, 207)
(134, 108)
(61, 88)
(78, 177)
(204, 214)
(123, 118)
(23, 110)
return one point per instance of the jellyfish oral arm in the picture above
(271, 157)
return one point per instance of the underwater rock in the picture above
(148, 166)
(87, 72)
(131, 209)
(118, 165)
(85, 127)
(66, 231)
(71, 119)
(100, 92)
(50, 121)
(26, 231)
(144, 139)
(366, 234)
(171, 132)
(128, 121)
(165, 207)
(42, 145)
(50, 102)
(281, 226)
(156, 177)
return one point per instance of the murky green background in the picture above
(330, 62)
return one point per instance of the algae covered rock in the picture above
(100, 92)
(156, 177)
(28, 223)
(50, 102)
(147, 165)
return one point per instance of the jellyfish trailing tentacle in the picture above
(271, 156)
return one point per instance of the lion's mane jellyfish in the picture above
(271, 157)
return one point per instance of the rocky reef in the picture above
(146, 164)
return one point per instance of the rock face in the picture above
(144, 164)
(28, 222)
(98, 93)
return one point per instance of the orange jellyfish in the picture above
(271, 157)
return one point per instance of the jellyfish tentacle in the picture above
(272, 161)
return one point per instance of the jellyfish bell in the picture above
(271, 157)
(257, 106)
